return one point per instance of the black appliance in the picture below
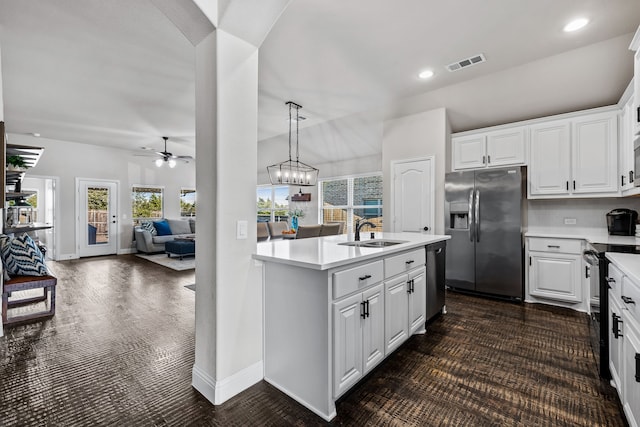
(622, 222)
(436, 266)
(599, 318)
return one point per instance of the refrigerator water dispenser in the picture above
(459, 213)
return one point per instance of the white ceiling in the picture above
(119, 73)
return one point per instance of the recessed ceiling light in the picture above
(576, 24)
(426, 74)
(36, 134)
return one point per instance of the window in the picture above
(146, 202)
(188, 202)
(349, 199)
(272, 203)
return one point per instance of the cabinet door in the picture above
(615, 341)
(555, 276)
(347, 343)
(506, 147)
(595, 155)
(549, 158)
(631, 372)
(417, 300)
(625, 154)
(373, 328)
(395, 313)
(469, 152)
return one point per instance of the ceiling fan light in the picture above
(158, 162)
(172, 163)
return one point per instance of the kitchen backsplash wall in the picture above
(586, 212)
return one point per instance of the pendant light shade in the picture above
(293, 171)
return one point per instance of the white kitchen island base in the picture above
(332, 313)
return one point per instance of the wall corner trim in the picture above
(218, 392)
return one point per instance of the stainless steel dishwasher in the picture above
(436, 267)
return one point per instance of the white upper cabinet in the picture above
(507, 147)
(550, 158)
(625, 148)
(635, 46)
(574, 157)
(469, 152)
(595, 154)
(491, 149)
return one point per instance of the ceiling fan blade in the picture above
(184, 157)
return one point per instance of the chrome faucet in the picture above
(360, 225)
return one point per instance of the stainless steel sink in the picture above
(375, 243)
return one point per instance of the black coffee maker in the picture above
(622, 222)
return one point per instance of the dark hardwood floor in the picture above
(120, 349)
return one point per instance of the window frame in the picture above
(138, 220)
(195, 199)
(273, 208)
(350, 207)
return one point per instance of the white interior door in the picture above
(97, 218)
(413, 196)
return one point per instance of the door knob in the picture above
(426, 228)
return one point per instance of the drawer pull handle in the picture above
(615, 328)
(553, 246)
(628, 300)
(365, 277)
(409, 262)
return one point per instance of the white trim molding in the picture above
(218, 392)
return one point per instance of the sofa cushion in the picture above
(192, 224)
(163, 239)
(148, 225)
(22, 257)
(179, 226)
(162, 227)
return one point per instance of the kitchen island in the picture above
(334, 309)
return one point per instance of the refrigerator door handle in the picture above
(477, 216)
(471, 222)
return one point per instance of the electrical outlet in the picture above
(570, 221)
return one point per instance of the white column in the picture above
(228, 308)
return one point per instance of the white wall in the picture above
(70, 160)
(418, 135)
(588, 213)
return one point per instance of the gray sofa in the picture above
(148, 243)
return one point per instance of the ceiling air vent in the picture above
(467, 62)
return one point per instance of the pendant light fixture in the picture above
(293, 171)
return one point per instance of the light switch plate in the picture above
(241, 230)
(570, 221)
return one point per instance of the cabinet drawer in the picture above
(347, 281)
(614, 281)
(566, 246)
(404, 262)
(630, 296)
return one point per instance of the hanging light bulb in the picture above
(294, 171)
(172, 163)
(159, 162)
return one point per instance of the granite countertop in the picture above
(592, 235)
(322, 253)
(628, 263)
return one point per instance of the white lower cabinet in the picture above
(406, 303)
(631, 372)
(616, 336)
(555, 276)
(358, 338)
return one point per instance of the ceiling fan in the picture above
(169, 158)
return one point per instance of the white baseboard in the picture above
(127, 251)
(218, 392)
(66, 257)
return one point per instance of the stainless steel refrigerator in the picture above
(485, 214)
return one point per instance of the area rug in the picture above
(188, 263)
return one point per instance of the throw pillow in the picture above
(148, 225)
(22, 257)
(162, 227)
